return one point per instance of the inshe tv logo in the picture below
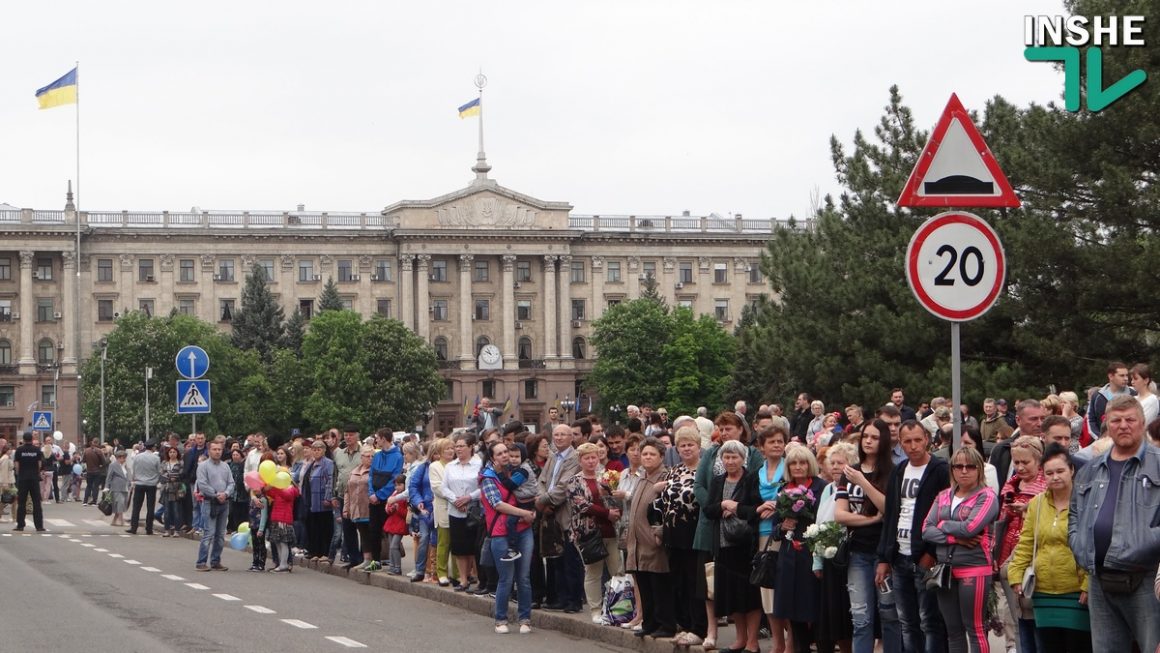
(1059, 38)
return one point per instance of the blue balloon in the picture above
(77, 470)
(239, 541)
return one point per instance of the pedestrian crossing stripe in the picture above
(193, 398)
(62, 523)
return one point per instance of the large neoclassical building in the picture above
(480, 266)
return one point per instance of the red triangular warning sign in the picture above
(956, 168)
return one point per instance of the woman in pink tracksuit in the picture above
(959, 524)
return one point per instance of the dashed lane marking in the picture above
(131, 562)
(87, 545)
(150, 569)
(116, 555)
(297, 623)
(346, 641)
(196, 586)
(227, 597)
(260, 609)
(101, 550)
(171, 577)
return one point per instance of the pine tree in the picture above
(294, 332)
(649, 290)
(329, 300)
(257, 324)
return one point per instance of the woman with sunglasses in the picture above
(959, 525)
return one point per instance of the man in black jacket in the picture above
(800, 423)
(1029, 415)
(903, 555)
(28, 463)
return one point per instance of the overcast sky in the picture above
(614, 106)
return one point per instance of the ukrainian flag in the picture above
(470, 109)
(62, 91)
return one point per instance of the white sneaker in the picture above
(525, 629)
(597, 618)
(501, 629)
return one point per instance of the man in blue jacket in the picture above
(387, 463)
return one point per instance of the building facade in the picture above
(481, 266)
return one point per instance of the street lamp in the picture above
(567, 405)
(148, 375)
(615, 410)
(104, 357)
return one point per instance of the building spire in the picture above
(68, 201)
(481, 168)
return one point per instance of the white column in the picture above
(669, 281)
(406, 297)
(597, 272)
(508, 280)
(565, 277)
(466, 348)
(550, 308)
(69, 308)
(633, 278)
(422, 301)
(27, 314)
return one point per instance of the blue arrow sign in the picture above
(192, 362)
(42, 420)
(193, 397)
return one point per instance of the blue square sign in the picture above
(193, 397)
(42, 420)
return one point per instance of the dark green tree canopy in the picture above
(330, 300)
(258, 323)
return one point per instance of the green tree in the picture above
(340, 385)
(697, 362)
(629, 340)
(329, 300)
(290, 384)
(294, 332)
(258, 324)
(649, 290)
(404, 377)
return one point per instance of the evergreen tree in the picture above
(649, 290)
(294, 332)
(257, 324)
(329, 300)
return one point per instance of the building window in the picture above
(488, 387)
(5, 273)
(523, 271)
(383, 307)
(382, 271)
(531, 389)
(721, 309)
(482, 309)
(5, 310)
(524, 309)
(577, 271)
(685, 303)
(613, 272)
(44, 309)
(145, 270)
(439, 310)
(612, 303)
(226, 269)
(7, 396)
(5, 352)
(306, 308)
(306, 271)
(720, 274)
(481, 271)
(525, 348)
(347, 303)
(685, 272)
(345, 270)
(104, 269)
(104, 310)
(266, 265)
(44, 269)
(48, 395)
(649, 269)
(449, 390)
(145, 306)
(45, 352)
(439, 270)
(184, 267)
(480, 343)
(187, 306)
(577, 309)
(441, 348)
(755, 275)
(578, 347)
(227, 306)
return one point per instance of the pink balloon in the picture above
(254, 481)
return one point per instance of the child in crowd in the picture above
(281, 522)
(200, 510)
(396, 525)
(522, 482)
(259, 506)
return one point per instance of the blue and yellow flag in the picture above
(62, 91)
(470, 109)
(466, 407)
(507, 405)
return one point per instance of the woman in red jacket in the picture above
(282, 522)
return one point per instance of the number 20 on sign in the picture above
(955, 265)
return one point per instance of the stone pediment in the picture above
(484, 205)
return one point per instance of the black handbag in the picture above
(842, 557)
(941, 575)
(592, 549)
(764, 572)
(551, 538)
(736, 531)
(474, 516)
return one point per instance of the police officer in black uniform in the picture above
(28, 461)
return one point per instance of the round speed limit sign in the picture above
(955, 266)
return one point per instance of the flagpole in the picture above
(76, 317)
(481, 168)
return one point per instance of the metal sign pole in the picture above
(956, 390)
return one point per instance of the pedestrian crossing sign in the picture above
(42, 420)
(193, 397)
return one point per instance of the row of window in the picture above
(46, 351)
(42, 271)
(47, 396)
(45, 310)
(523, 348)
(531, 389)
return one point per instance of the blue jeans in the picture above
(864, 607)
(922, 625)
(1028, 637)
(521, 569)
(426, 531)
(1117, 619)
(213, 535)
(200, 514)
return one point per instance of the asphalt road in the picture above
(86, 586)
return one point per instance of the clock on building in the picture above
(490, 358)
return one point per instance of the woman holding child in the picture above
(499, 505)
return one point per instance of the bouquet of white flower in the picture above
(825, 539)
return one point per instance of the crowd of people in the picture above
(822, 531)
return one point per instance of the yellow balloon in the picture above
(244, 527)
(283, 468)
(267, 470)
(281, 480)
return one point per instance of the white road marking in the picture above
(60, 522)
(346, 641)
(45, 535)
(86, 534)
(260, 609)
(126, 535)
(131, 562)
(101, 550)
(5, 534)
(171, 577)
(66, 537)
(27, 534)
(152, 569)
(87, 545)
(105, 534)
(299, 624)
(196, 586)
(116, 555)
(95, 522)
(227, 597)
